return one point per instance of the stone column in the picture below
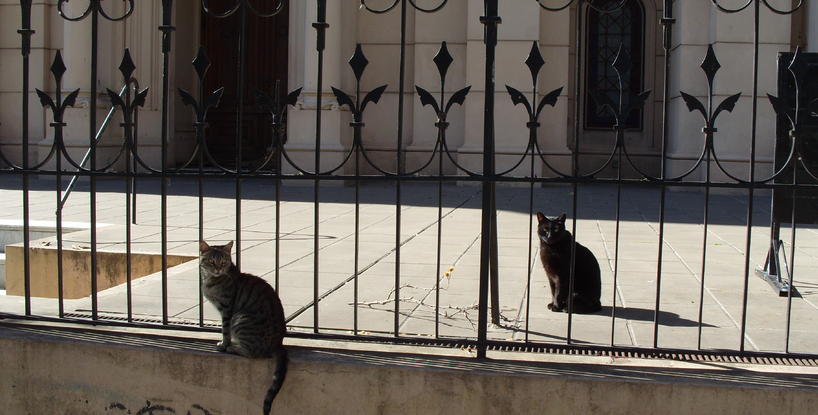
(11, 127)
(304, 70)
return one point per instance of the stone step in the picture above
(111, 266)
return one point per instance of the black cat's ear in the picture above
(203, 247)
(540, 217)
(561, 218)
(229, 247)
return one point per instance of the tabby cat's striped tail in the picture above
(278, 378)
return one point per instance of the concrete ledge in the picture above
(89, 371)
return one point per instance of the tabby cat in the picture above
(252, 314)
(555, 254)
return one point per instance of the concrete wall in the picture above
(80, 371)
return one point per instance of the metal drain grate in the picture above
(715, 356)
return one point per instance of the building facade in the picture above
(281, 50)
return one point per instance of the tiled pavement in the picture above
(455, 309)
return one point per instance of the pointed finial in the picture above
(534, 61)
(127, 66)
(201, 63)
(58, 67)
(710, 64)
(358, 62)
(443, 59)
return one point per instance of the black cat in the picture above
(555, 254)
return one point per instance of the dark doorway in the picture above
(265, 62)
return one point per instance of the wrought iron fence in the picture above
(358, 154)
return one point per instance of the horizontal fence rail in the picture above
(360, 164)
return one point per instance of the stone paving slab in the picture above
(451, 311)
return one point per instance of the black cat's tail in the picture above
(278, 378)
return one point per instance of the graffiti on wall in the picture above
(157, 409)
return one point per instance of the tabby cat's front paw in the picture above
(221, 347)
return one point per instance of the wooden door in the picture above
(265, 62)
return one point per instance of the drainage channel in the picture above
(715, 356)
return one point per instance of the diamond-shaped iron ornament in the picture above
(798, 67)
(534, 61)
(443, 60)
(358, 62)
(710, 65)
(58, 67)
(620, 62)
(127, 66)
(201, 63)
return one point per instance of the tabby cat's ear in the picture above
(561, 218)
(229, 247)
(540, 217)
(203, 247)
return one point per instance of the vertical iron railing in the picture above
(358, 156)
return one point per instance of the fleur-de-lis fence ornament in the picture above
(710, 65)
(278, 113)
(58, 107)
(200, 109)
(128, 106)
(535, 62)
(627, 103)
(443, 60)
(358, 63)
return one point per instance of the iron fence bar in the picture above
(93, 148)
(355, 268)
(398, 162)
(490, 21)
(635, 182)
(320, 26)
(200, 139)
(575, 163)
(239, 121)
(57, 107)
(750, 191)
(135, 165)
(706, 223)
(128, 184)
(494, 273)
(58, 137)
(26, 32)
(438, 262)
(791, 273)
(620, 135)
(167, 29)
(667, 22)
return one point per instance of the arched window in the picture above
(608, 28)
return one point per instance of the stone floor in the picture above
(451, 311)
